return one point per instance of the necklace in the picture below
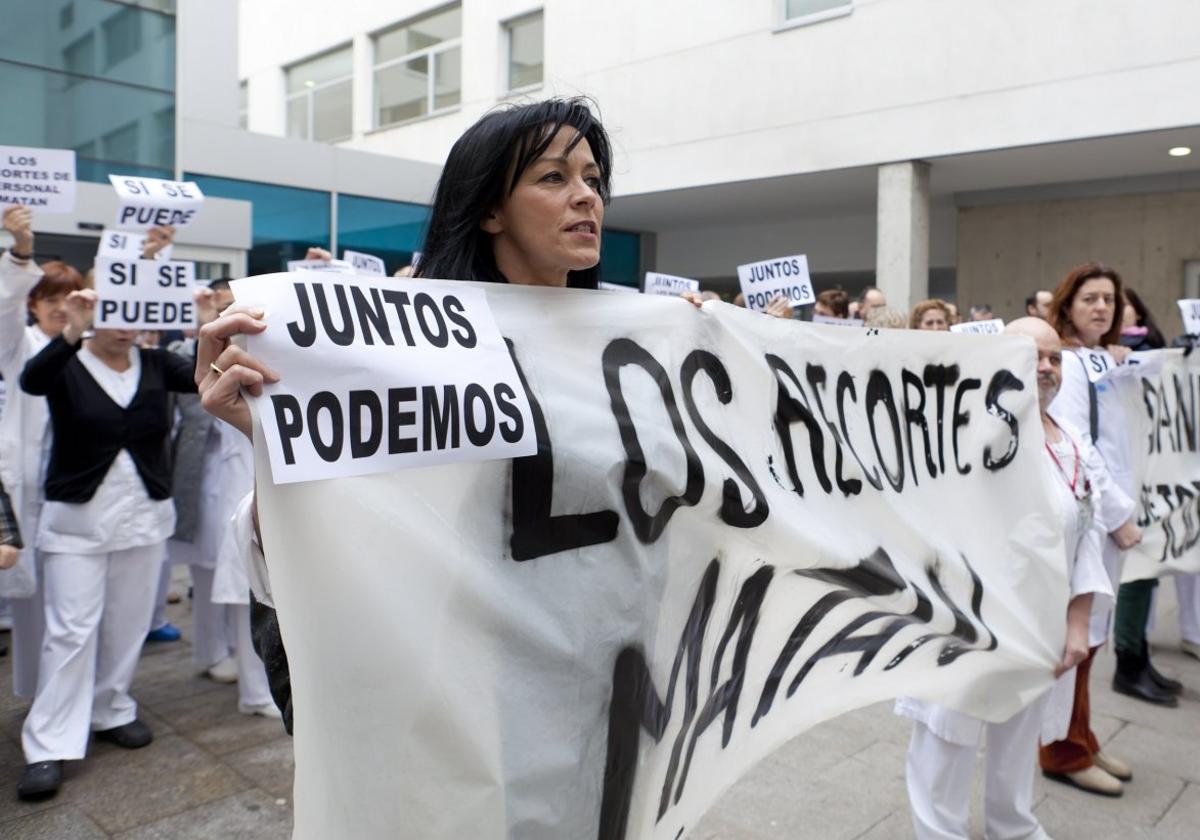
(1080, 493)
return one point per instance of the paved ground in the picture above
(214, 773)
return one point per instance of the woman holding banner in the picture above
(521, 200)
(32, 312)
(1084, 313)
(101, 534)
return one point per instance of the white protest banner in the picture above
(1189, 311)
(145, 295)
(732, 530)
(836, 322)
(992, 326)
(121, 244)
(669, 284)
(422, 377)
(615, 287)
(43, 179)
(787, 276)
(364, 263)
(1163, 418)
(329, 266)
(153, 202)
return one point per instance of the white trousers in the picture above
(29, 625)
(939, 777)
(98, 609)
(159, 617)
(212, 624)
(253, 687)
(1187, 587)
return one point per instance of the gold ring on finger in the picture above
(215, 369)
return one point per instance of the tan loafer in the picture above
(1113, 766)
(1092, 780)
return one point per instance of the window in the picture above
(524, 51)
(390, 230)
(243, 104)
(320, 92)
(79, 59)
(122, 36)
(121, 144)
(418, 67)
(811, 11)
(621, 258)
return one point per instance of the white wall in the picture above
(705, 91)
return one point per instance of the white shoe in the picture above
(1191, 648)
(267, 710)
(225, 671)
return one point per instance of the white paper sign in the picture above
(331, 266)
(837, 322)
(615, 287)
(1189, 310)
(153, 202)
(992, 326)
(43, 179)
(365, 263)
(787, 276)
(121, 244)
(145, 294)
(377, 378)
(687, 575)
(669, 285)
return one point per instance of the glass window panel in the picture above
(445, 25)
(332, 112)
(621, 257)
(31, 35)
(121, 144)
(56, 115)
(525, 52)
(447, 80)
(803, 8)
(391, 230)
(402, 91)
(79, 58)
(285, 221)
(162, 139)
(297, 117)
(317, 71)
(122, 36)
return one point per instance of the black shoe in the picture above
(1133, 678)
(40, 781)
(131, 736)
(1161, 680)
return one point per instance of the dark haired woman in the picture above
(1139, 331)
(1084, 312)
(32, 312)
(520, 200)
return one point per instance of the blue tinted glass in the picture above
(286, 221)
(390, 230)
(113, 128)
(621, 258)
(100, 38)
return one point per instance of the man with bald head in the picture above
(941, 754)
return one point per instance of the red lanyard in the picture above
(1074, 482)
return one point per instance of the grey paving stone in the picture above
(61, 822)
(896, 826)
(1147, 798)
(1182, 821)
(1163, 754)
(246, 815)
(212, 721)
(270, 766)
(1078, 819)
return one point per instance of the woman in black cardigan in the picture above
(102, 534)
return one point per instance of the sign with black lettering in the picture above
(153, 202)
(145, 294)
(1162, 407)
(43, 179)
(787, 276)
(127, 245)
(731, 529)
(836, 322)
(365, 263)
(668, 284)
(382, 378)
(615, 287)
(992, 326)
(1189, 311)
(328, 266)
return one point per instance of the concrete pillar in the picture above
(902, 233)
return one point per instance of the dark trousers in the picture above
(1133, 611)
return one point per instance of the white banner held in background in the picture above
(153, 202)
(330, 266)
(42, 179)
(1163, 411)
(787, 276)
(365, 263)
(145, 295)
(837, 322)
(1189, 311)
(396, 377)
(733, 529)
(615, 287)
(992, 326)
(669, 284)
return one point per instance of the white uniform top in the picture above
(1085, 574)
(24, 424)
(121, 514)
